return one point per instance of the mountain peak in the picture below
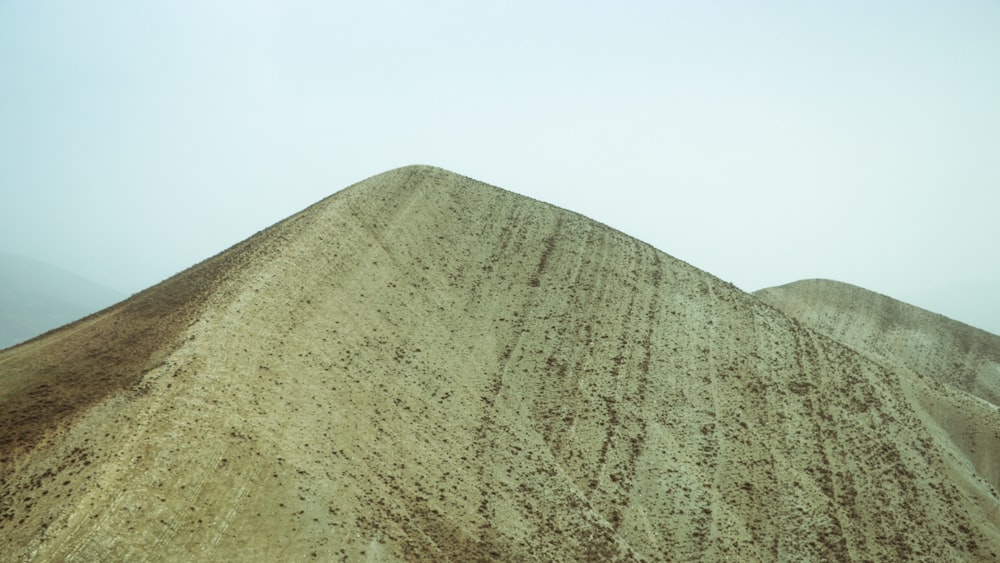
(424, 367)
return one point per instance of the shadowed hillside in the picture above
(424, 367)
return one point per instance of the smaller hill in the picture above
(36, 297)
(895, 332)
(963, 362)
(974, 302)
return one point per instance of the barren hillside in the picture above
(964, 359)
(896, 332)
(424, 367)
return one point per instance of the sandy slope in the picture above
(423, 367)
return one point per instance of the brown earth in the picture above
(424, 367)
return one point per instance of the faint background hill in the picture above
(36, 297)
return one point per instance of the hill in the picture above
(895, 332)
(425, 367)
(36, 297)
(908, 338)
(974, 302)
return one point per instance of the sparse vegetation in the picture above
(423, 367)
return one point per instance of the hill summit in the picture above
(425, 367)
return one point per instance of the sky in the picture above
(764, 142)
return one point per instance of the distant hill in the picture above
(36, 297)
(423, 367)
(896, 332)
(975, 302)
(911, 339)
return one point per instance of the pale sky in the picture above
(764, 142)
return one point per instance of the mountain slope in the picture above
(36, 297)
(424, 367)
(974, 302)
(962, 358)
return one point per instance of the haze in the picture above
(763, 144)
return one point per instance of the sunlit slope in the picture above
(423, 367)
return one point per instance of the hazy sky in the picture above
(764, 142)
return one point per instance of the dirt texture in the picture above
(423, 367)
(896, 333)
